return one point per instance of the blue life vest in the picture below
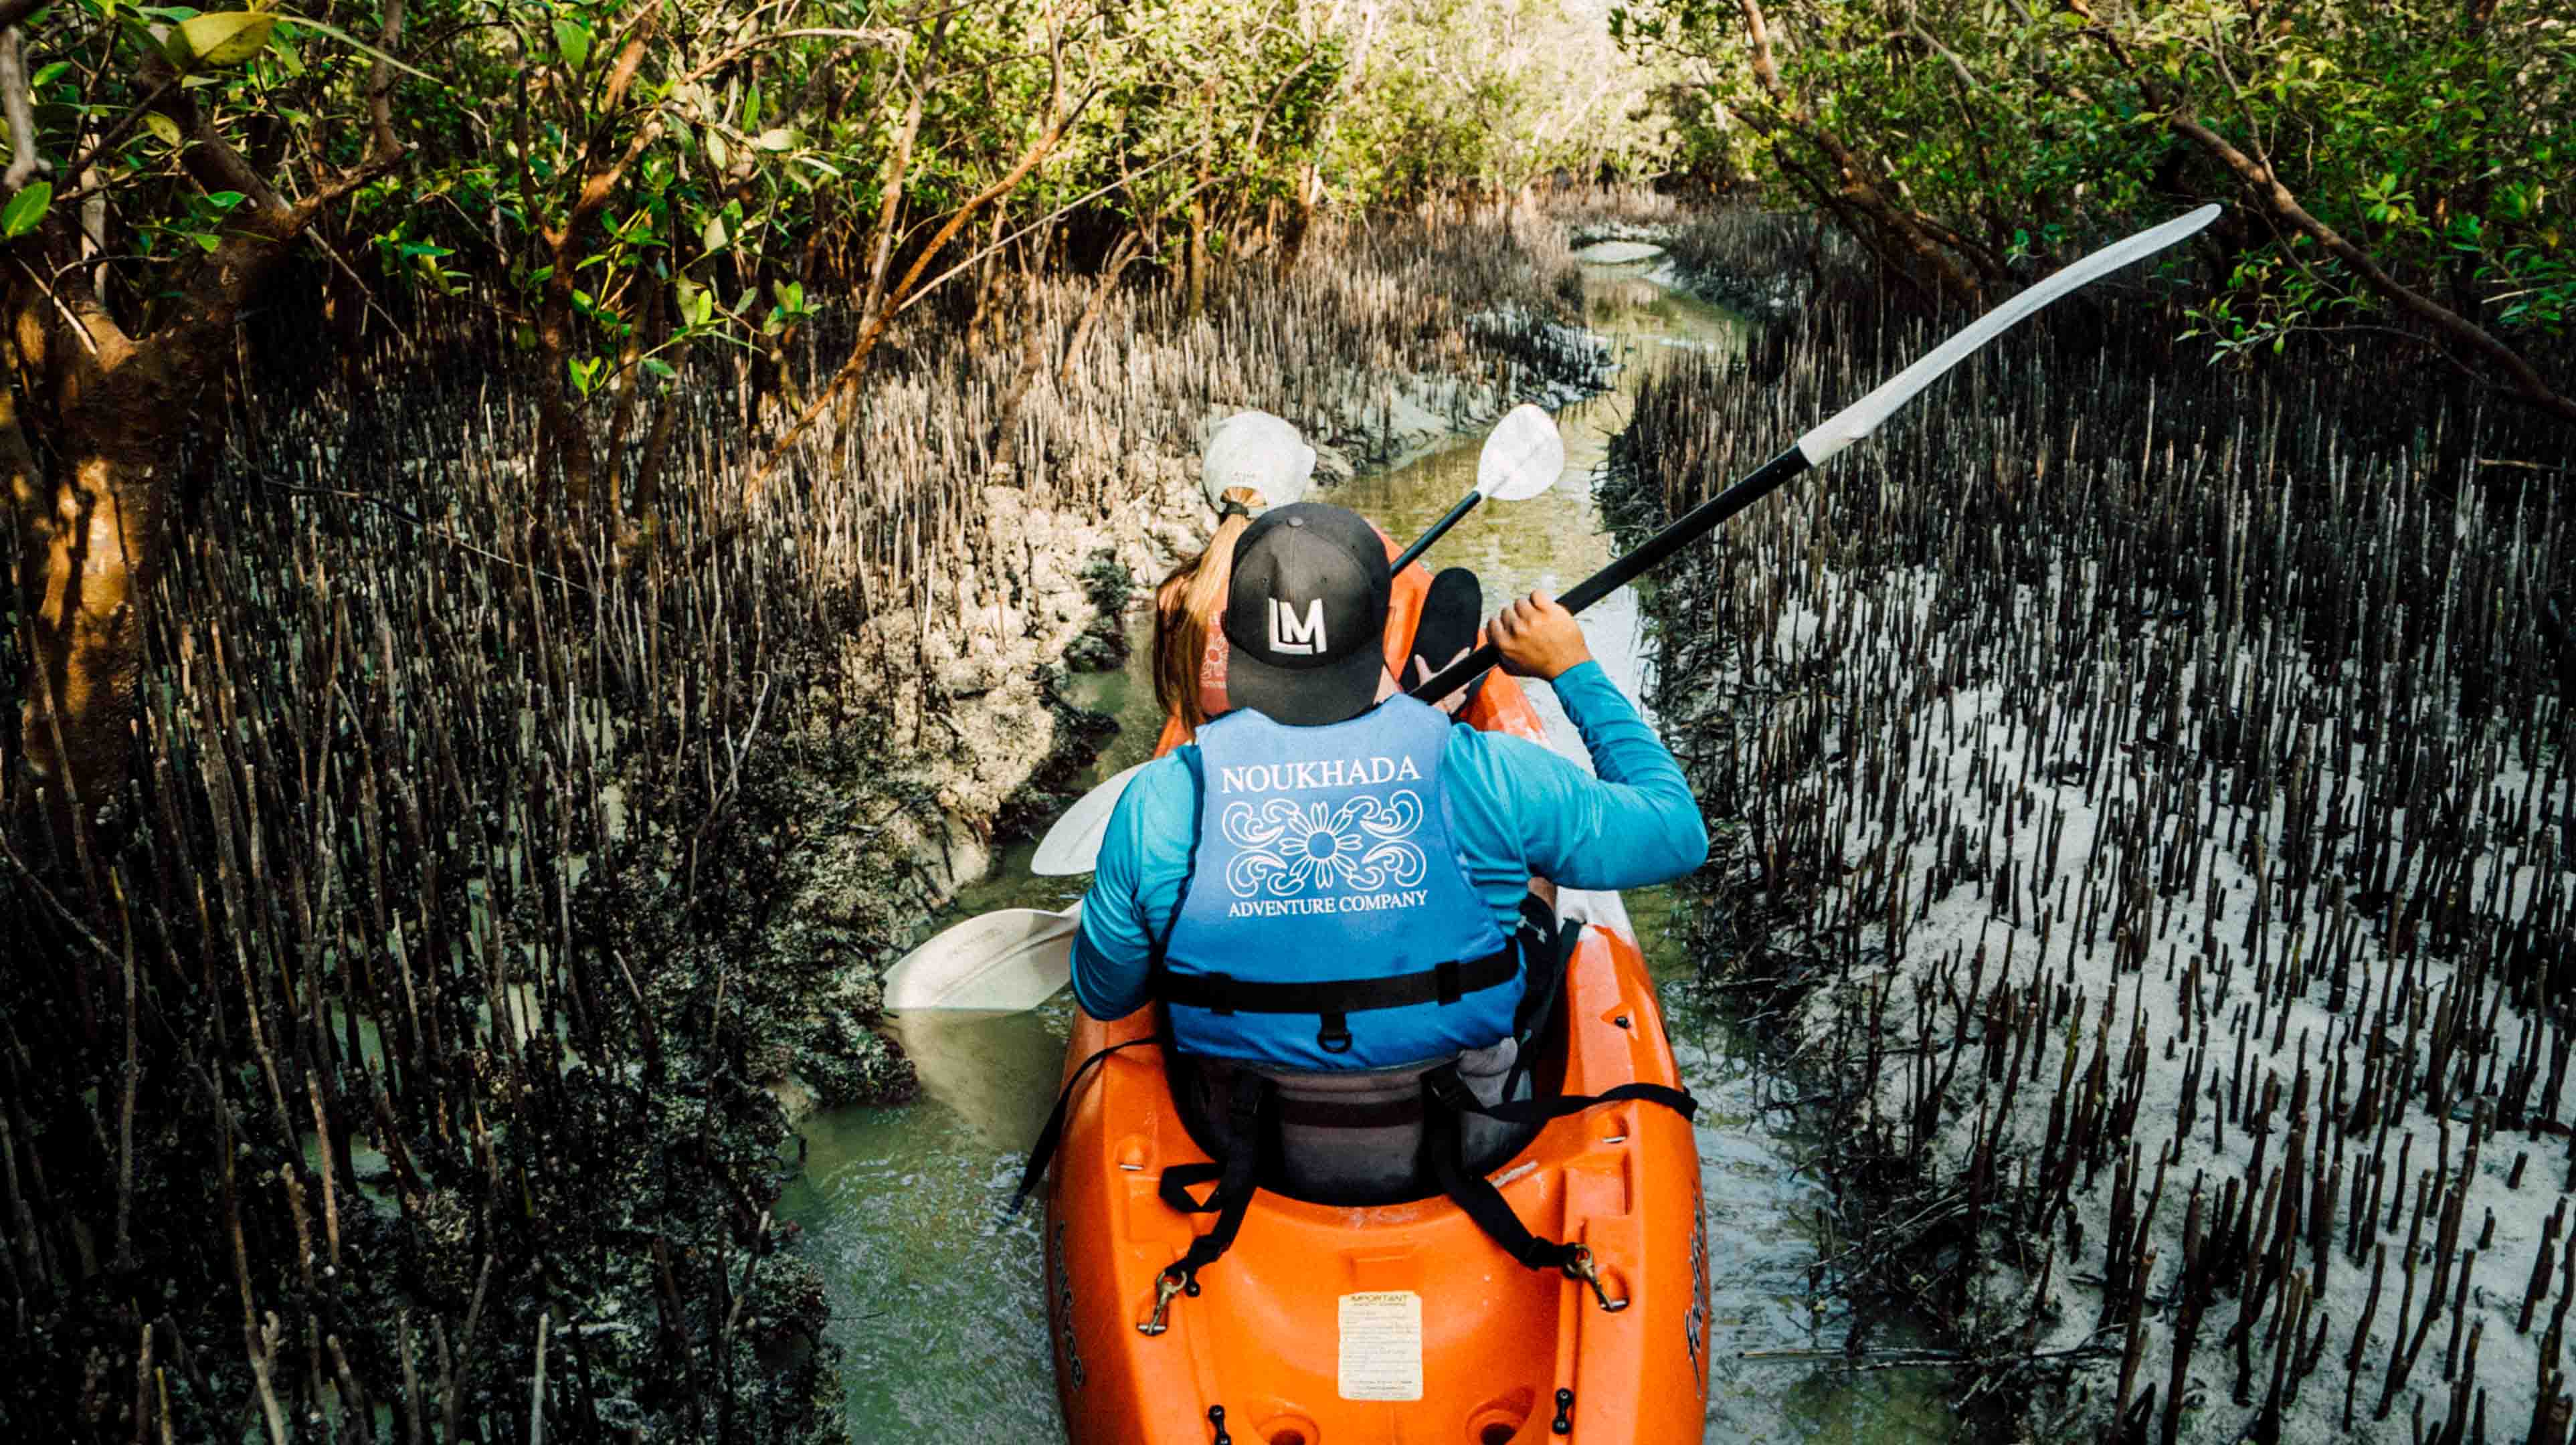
(1327, 922)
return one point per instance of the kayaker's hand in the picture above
(1538, 638)
(1423, 672)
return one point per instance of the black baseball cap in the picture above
(1305, 620)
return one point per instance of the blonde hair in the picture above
(1193, 593)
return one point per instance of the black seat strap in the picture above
(1446, 1103)
(1540, 1111)
(1444, 1147)
(1052, 1136)
(1246, 1103)
(1548, 946)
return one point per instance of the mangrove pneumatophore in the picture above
(2164, 774)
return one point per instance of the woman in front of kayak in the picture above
(1255, 462)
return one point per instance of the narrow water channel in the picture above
(936, 1299)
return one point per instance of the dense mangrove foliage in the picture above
(546, 537)
(2399, 174)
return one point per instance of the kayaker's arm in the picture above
(1635, 824)
(1135, 887)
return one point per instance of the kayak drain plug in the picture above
(1216, 1417)
(1564, 1422)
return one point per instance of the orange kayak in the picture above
(1328, 1325)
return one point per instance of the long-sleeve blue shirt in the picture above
(1516, 811)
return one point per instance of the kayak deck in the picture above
(1333, 1325)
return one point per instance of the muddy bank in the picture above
(2141, 801)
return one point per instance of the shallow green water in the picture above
(936, 1298)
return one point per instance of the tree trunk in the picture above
(91, 543)
(1121, 256)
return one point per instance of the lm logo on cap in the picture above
(1291, 634)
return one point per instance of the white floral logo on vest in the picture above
(1291, 634)
(1285, 849)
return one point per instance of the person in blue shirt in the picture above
(1325, 894)
(1332, 877)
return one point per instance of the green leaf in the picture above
(49, 75)
(658, 367)
(164, 127)
(26, 209)
(751, 108)
(696, 306)
(224, 200)
(204, 241)
(573, 39)
(713, 237)
(220, 41)
(360, 46)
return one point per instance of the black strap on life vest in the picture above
(1334, 1000)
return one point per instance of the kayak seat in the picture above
(1356, 1137)
(1348, 1137)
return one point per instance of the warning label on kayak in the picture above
(1382, 1345)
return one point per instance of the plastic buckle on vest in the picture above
(1335, 1035)
(1448, 1090)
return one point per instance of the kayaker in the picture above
(1326, 895)
(1254, 462)
(1333, 879)
(1443, 845)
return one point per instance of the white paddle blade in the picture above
(1073, 844)
(1007, 961)
(1522, 458)
(1863, 416)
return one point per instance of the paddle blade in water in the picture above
(1003, 962)
(1522, 458)
(1073, 844)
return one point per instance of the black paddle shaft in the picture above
(1438, 530)
(1689, 527)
